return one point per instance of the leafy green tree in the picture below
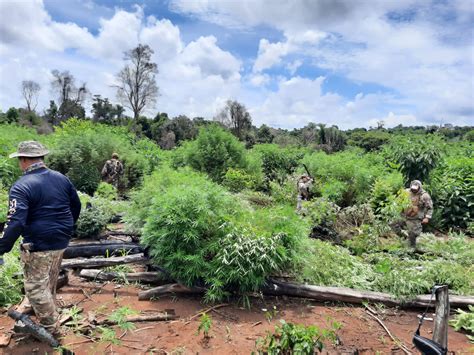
(105, 112)
(12, 115)
(469, 136)
(369, 141)
(417, 156)
(215, 151)
(264, 135)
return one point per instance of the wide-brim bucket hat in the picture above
(30, 149)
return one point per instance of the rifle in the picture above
(24, 324)
(307, 171)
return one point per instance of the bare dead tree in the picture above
(64, 85)
(136, 87)
(30, 90)
(235, 116)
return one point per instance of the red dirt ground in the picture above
(234, 329)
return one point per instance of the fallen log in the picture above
(153, 278)
(81, 250)
(168, 289)
(156, 317)
(94, 263)
(317, 293)
(342, 294)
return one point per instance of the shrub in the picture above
(369, 141)
(384, 190)
(237, 180)
(214, 151)
(469, 136)
(11, 280)
(296, 339)
(107, 191)
(205, 236)
(277, 163)
(416, 156)
(79, 150)
(93, 218)
(464, 320)
(3, 203)
(452, 190)
(346, 177)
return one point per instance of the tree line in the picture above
(137, 90)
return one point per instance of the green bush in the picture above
(237, 180)
(11, 280)
(464, 320)
(3, 203)
(214, 151)
(203, 235)
(452, 190)
(296, 339)
(416, 155)
(384, 190)
(277, 163)
(107, 191)
(469, 136)
(93, 218)
(79, 150)
(369, 141)
(345, 178)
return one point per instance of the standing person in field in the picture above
(420, 211)
(303, 185)
(43, 208)
(112, 170)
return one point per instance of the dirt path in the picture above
(234, 329)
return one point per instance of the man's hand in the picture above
(425, 221)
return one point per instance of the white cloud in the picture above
(194, 78)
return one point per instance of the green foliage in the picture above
(469, 136)
(120, 315)
(384, 190)
(3, 203)
(203, 235)
(370, 140)
(205, 324)
(214, 151)
(345, 177)
(277, 163)
(107, 191)
(237, 180)
(452, 190)
(292, 338)
(93, 218)
(79, 150)
(464, 320)
(321, 263)
(11, 280)
(416, 156)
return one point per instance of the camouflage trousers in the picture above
(414, 229)
(41, 271)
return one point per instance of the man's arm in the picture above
(75, 203)
(428, 203)
(16, 219)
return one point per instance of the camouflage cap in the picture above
(30, 149)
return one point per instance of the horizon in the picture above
(344, 63)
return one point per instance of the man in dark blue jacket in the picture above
(43, 208)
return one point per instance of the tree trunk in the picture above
(103, 262)
(440, 332)
(154, 278)
(168, 289)
(101, 249)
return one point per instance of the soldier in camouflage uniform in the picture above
(303, 185)
(112, 170)
(43, 207)
(420, 211)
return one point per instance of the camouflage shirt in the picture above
(112, 170)
(421, 204)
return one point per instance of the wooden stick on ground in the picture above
(168, 289)
(208, 310)
(395, 340)
(158, 317)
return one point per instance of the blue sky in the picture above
(341, 62)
